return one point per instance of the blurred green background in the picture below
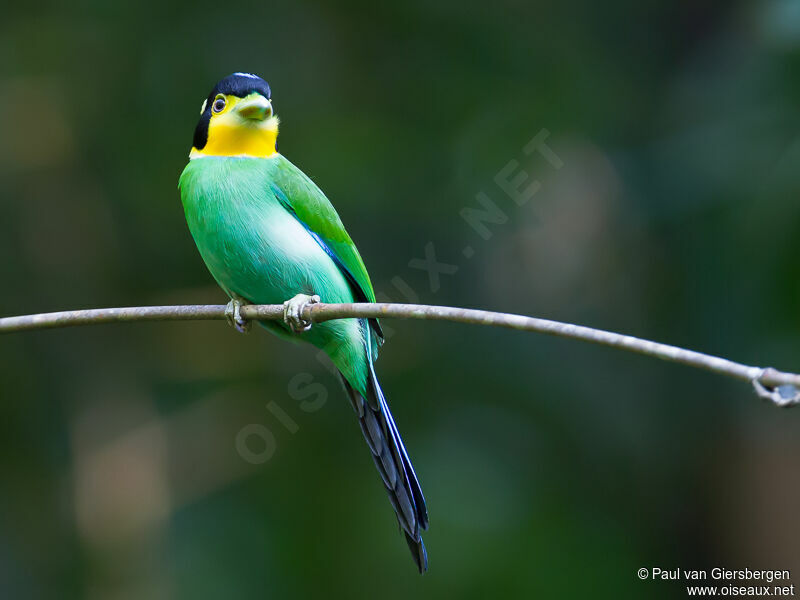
(551, 468)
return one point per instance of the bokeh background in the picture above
(551, 468)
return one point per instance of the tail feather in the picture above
(413, 482)
(380, 453)
(418, 552)
(393, 464)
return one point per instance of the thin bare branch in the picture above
(779, 387)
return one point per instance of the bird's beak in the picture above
(255, 108)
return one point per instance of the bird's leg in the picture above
(234, 316)
(293, 312)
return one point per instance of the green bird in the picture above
(267, 233)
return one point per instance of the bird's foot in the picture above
(234, 316)
(293, 312)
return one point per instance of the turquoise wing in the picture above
(308, 203)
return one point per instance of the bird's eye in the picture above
(219, 105)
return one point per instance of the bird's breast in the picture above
(251, 244)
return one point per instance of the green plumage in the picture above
(240, 213)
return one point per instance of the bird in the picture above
(269, 235)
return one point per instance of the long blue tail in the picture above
(393, 464)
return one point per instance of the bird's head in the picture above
(237, 119)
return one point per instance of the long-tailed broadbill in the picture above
(268, 235)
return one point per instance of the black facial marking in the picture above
(239, 85)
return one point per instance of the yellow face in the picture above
(239, 127)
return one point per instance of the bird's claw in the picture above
(293, 312)
(235, 318)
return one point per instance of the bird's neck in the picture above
(255, 142)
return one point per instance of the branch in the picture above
(779, 387)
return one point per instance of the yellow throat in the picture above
(231, 134)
